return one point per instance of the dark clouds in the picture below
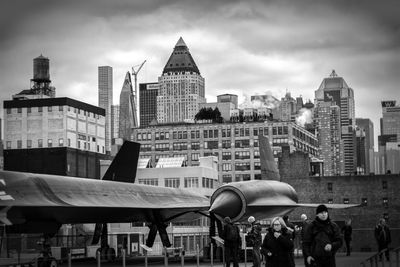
(239, 46)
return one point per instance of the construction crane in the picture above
(135, 96)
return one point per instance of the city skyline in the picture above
(251, 47)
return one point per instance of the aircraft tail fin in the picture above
(269, 170)
(123, 167)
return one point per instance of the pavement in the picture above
(341, 261)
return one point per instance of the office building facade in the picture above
(148, 93)
(55, 136)
(127, 109)
(335, 89)
(234, 144)
(181, 87)
(366, 126)
(105, 92)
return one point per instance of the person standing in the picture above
(305, 223)
(383, 238)
(254, 238)
(278, 245)
(347, 231)
(322, 240)
(232, 242)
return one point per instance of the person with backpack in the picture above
(253, 239)
(278, 245)
(322, 239)
(232, 242)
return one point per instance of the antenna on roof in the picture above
(333, 74)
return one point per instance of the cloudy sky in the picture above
(240, 47)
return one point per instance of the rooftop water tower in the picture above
(40, 84)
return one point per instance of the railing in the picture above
(378, 259)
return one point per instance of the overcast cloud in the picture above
(239, 46)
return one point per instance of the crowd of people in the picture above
(320, 239)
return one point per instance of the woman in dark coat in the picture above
(278, 245)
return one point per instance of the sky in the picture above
(240, 47)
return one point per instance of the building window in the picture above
(330, 187)
(40, 109)
(195, 156)
(330, 200)
(195, 145)
(242, 166)
(19, 143)
(384, 185)
(191, 182)
(49, 108)
(226, 167)
(226, 156)
(148, 181)
(211, 145)
(69, 142)
(226, 143)
(40, 142)
(172, 182)
(385, 202)
(345, 201)
(207, 183)
(49, 143)
(8, 144)
(29, 110)
(60, 108)
(9, 110)
(19, 110)
(257, 165)
(29, 143)
(139, 137)
(242, 155)
(364, 201)
(256, 154)
(61, 142)
(226, 178)
(257, 176)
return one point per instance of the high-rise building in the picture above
(105, 86)
(181, 87)
(367, 127)
(287, 108)
(327, 123)
(390, 122)
(148, 93)
(334, 89)
(114, 123)
(126, 109)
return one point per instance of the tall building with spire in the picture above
(181, 87)
(105, 86)
(334, 89)
(126, 109)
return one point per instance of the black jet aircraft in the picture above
(38, 203)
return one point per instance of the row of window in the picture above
(54, 108)
(364, 201)
(330, 186)
(80, 144)
(238, 132)
(227, 178)
(189, 182)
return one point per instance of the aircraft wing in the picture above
(49, 200)
(329, 206)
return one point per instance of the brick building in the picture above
(379, 193)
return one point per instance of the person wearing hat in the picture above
(322, 240)
(254, 240)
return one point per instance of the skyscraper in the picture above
(367, 127)
(126, 109)
(181, 87)
(105, 85)
(148, 103)
(114, 123)
(327, 122)
(334, 89)
(390, 122)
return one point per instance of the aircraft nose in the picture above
(227, 203)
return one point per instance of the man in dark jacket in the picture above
(382, 236)
(322, 240)
(254, 237)
(232, 242)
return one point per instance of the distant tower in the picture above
(334, 89)
(126, 109)
(41, 83)
(148, 103)
(105, 86)
(181, 87)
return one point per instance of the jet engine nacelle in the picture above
(259, 198)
